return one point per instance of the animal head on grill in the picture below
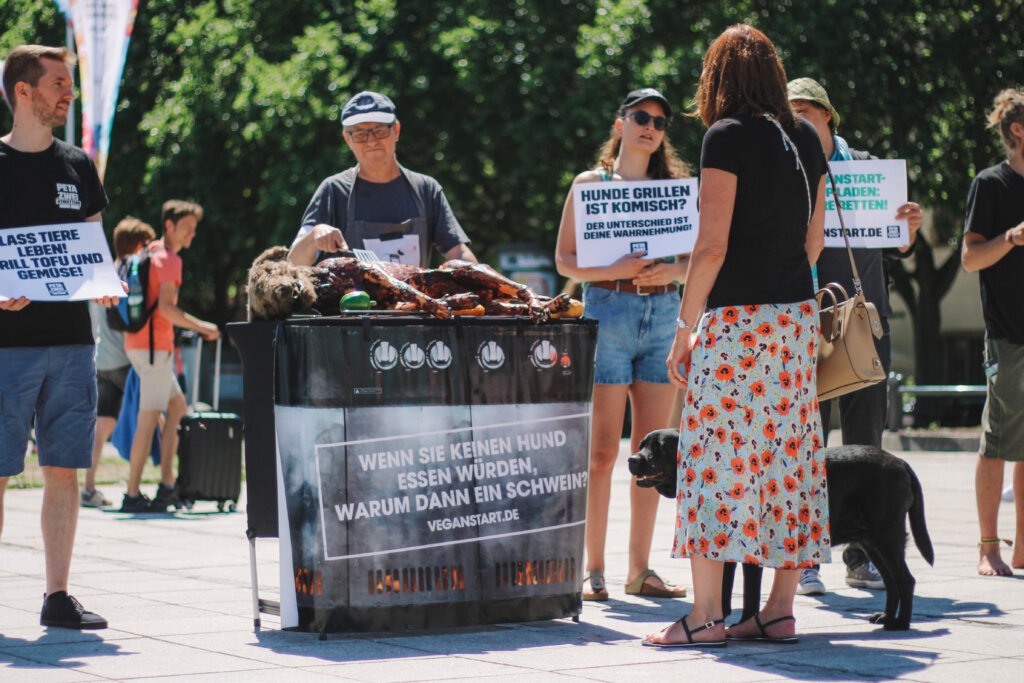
(278, 288)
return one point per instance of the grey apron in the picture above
(404, 242)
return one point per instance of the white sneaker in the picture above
(864, 576)
(94, 499)
(810, 583)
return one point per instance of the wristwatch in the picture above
(682, 324)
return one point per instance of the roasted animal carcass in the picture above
(278, 289)
(458, 287)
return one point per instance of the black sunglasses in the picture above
(642, 118)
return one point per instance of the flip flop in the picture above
(764, 637)
(638, 586)
(598, 591)
(690, 642)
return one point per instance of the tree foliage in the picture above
(236, 105)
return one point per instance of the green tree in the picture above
(236, 105)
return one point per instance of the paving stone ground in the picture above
(176, 591)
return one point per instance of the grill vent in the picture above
(535, 572)
(416, 580)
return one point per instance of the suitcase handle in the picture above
(216, 374)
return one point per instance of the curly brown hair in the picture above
(743, 76)
(1007, 109)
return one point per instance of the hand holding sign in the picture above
(628, 266)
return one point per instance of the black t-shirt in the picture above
(58, 185)
(995, 204)
(766, 261)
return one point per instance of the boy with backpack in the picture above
(151, 352)
(130, 237)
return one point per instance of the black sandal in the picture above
(764, 637)
(690, 642)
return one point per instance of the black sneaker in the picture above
(165, 496)
(62, 610)
(139, 503)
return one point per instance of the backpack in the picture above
(131, 313)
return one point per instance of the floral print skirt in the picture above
(751, 466)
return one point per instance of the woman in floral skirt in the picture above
(751, 471)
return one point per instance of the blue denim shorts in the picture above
(634, 334)
(57, 385)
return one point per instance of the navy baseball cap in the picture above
(637, 96)
(368, 107)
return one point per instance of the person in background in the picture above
(112, 365)
(378, 204)
(751, 478)
(158, 386)
(862, 413)
(993, 235)
(635, 300)
(47, 372)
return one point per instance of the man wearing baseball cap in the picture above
(862, 413)
(378, 204)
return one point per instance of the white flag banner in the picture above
(102, 31)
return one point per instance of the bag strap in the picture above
(857, 289)
(787, 144)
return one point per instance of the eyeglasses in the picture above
(642, 118)
(363, 134)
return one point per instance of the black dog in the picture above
(870, 494)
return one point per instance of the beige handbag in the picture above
(847, 359)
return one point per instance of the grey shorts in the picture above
(110, 389)
(1002, 420)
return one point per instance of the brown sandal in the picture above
(638, 586)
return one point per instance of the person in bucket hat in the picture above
(862, 414)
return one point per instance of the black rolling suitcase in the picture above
(209, 449)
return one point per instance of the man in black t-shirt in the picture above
(862, 413)
(47, 372)
(993, 231)
(378, 204)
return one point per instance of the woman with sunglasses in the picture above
(751, 477)
(636, 300)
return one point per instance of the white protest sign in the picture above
(65, 262)
(615, 218)
(869, 194)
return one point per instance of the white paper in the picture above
(869, 192)
(615, 218)
(64, 262)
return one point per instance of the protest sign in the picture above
(64, 262)
(658, 217)
(869, 194)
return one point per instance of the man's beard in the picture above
(48, 115)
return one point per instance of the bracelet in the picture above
(1009, 238)
(682, 324)
(991, 541)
